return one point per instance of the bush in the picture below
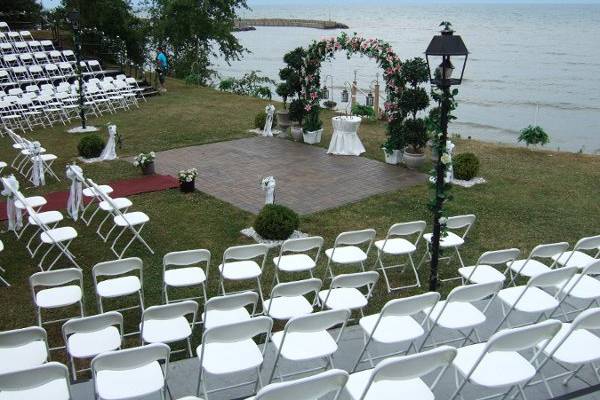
(261, 119)
(466, 166)
(276, 222)
(90, 146)
(534, 135)
(363, 111)
(297, 111)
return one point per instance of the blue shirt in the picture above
(162, 60)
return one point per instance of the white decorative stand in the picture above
(37, 171)
(75, 200)
(270, 110)
(268, 185)
(15, 218)
(110, 150)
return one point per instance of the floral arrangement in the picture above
(144, 159)
(188, 175)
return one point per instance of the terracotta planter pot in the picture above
(413, 161)
(187, 187)
(148, 169)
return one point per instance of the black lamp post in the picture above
(73, 18)
(444, 48)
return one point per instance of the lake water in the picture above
(528, 63)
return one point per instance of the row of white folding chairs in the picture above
(11, 60)
(25, 46)
(48, 72)
(41, 109)
(15, 36)
(47, 231)
(28, 153)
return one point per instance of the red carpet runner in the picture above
(154, 183)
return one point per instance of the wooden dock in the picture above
(248, 24)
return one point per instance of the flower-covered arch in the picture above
(377, 49)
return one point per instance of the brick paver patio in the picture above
(308, 179)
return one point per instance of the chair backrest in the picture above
(118, 267)
(356, 280)
(238, 331)
(35, 377)
(119, 360)
(93, 323)
(301, 245)
(407, 228)
(309, 388)
(592, 268)
(19, 337)
(498, 257)
(474, 292)
(171, 311)
(56, 278)
(556, 277)
(588, 319)
(460, 222)
(232, 301)
(411, 366)
(410, 305)
(548, 250)
(522, 338)
(353, 238)
(187, 258)
(296, 288)
(319, 321)
(245, 252)
(588, 243)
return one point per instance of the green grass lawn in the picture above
(531, 197)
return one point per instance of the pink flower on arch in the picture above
(307, 108)
(314, 95)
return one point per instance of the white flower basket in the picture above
(312, 137)
(394, 158)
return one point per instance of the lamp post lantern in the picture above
(443, 48)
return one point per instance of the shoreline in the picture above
(250, 24)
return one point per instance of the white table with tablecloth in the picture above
(345, 140)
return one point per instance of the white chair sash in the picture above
(75, 193)
(15, 220)
(270, 110)
(110, 150)
(37, 172)
(268, 185)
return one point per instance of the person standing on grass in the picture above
(162, 67)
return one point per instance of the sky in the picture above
(54, 3)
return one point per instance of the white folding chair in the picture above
(347, 251)
(578, 256)
(532, 299)
(396, 325)
(224, 310)
(288, 299)
(131, 373)
(484, 272)
(230, 349)
(497, 364)
(344, 293)
(169, 323)
(59, 289)
(530, 266)
(400, 377)
(91, 196)
(22, 349)
(48, 381)
(183, 269)
(313, 387)
(119, 278)
(582, 287)
(573, 348)
(243, 267)
(458, 314)
(307, 338)
(132, 221)
(395, 244)
(452, 240)
(293, 256)
(87, 337)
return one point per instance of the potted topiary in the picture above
(413, 100)
(391, 149)
(283, 116)
(146, 162)
(313, 127)
(465, 166)
(276, 222)
(91, 146)
(296, 116)
(187, 179)
(533, 135)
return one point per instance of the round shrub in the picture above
(90, 146)
(466, 166)
(276, 222)
(261, 119)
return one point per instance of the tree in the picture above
(20, 11)
(114, 21)
(194, 30)
(414, 99)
